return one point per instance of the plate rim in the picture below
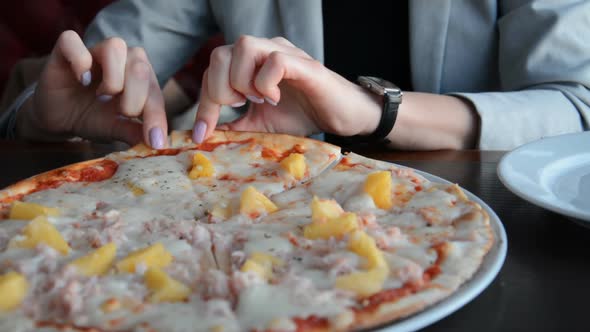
(503, 175)
(486, 273)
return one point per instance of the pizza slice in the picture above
(429, 236)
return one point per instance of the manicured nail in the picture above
(104, 98)
(156, 138)
(238, 104)
(270, 101)
(86, 78)
(255, 99)
(199, 132)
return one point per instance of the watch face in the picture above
(379, 85)
(384, 83)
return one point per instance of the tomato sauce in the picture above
(345, 164)
(206, 146)
(269, 153)
(65, 327)
(101, 171)
(311, 323)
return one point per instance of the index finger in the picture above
(207, 113)
(155, 126)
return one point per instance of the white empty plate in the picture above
(553, 173)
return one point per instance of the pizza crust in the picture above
(26, 186)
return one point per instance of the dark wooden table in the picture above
(543, 286)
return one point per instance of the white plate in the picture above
(553, 173)
(491, 265)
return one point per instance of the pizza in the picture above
(244, 232)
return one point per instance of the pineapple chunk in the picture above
(137, 191)
(216, 328)
(252, 266)
(253, 203)
(322, 209)
(28, 211)
(202, 167)
(97, 262)
(221, 211)
(153, 256)
(38, 231)
(164, 288)
(13, 287)
(335, 227)
(261, 264)
(363, 283)
(378, 186)
(364, 245)
(295, 165)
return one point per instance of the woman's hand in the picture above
(289, 92)
(292, 93)
(106, 92)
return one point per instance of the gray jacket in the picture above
(524, 64)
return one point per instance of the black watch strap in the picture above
(387, 121)
(392, 98)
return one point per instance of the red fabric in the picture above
(29, 28)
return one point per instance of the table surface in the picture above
(542, 285)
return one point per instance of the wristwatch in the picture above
(392, 98)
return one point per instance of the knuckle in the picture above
(219, 55)
(282, 41)
(127, 109)
(116, 44)
(140, 69)
(276, 57)
(216, 96)
(243, 42)
(138, 53)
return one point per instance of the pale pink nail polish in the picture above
(156, 138)
(86, 78)
(199, 131)
(270, 101)
(255, 99)
(104, 98)
(238, 104)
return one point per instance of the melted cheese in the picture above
(262, 303)
(153, 200)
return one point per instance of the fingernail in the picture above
(156, 138)
(86, 78)
(238, 104)
(104, 98)
(270, 101)
(199, 132)
(255, 99)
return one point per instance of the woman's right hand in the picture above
(108, 92)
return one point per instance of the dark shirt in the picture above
(368, 37)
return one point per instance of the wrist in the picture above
(372, 105)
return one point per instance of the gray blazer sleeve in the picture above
(170, 31)
(544, 60)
